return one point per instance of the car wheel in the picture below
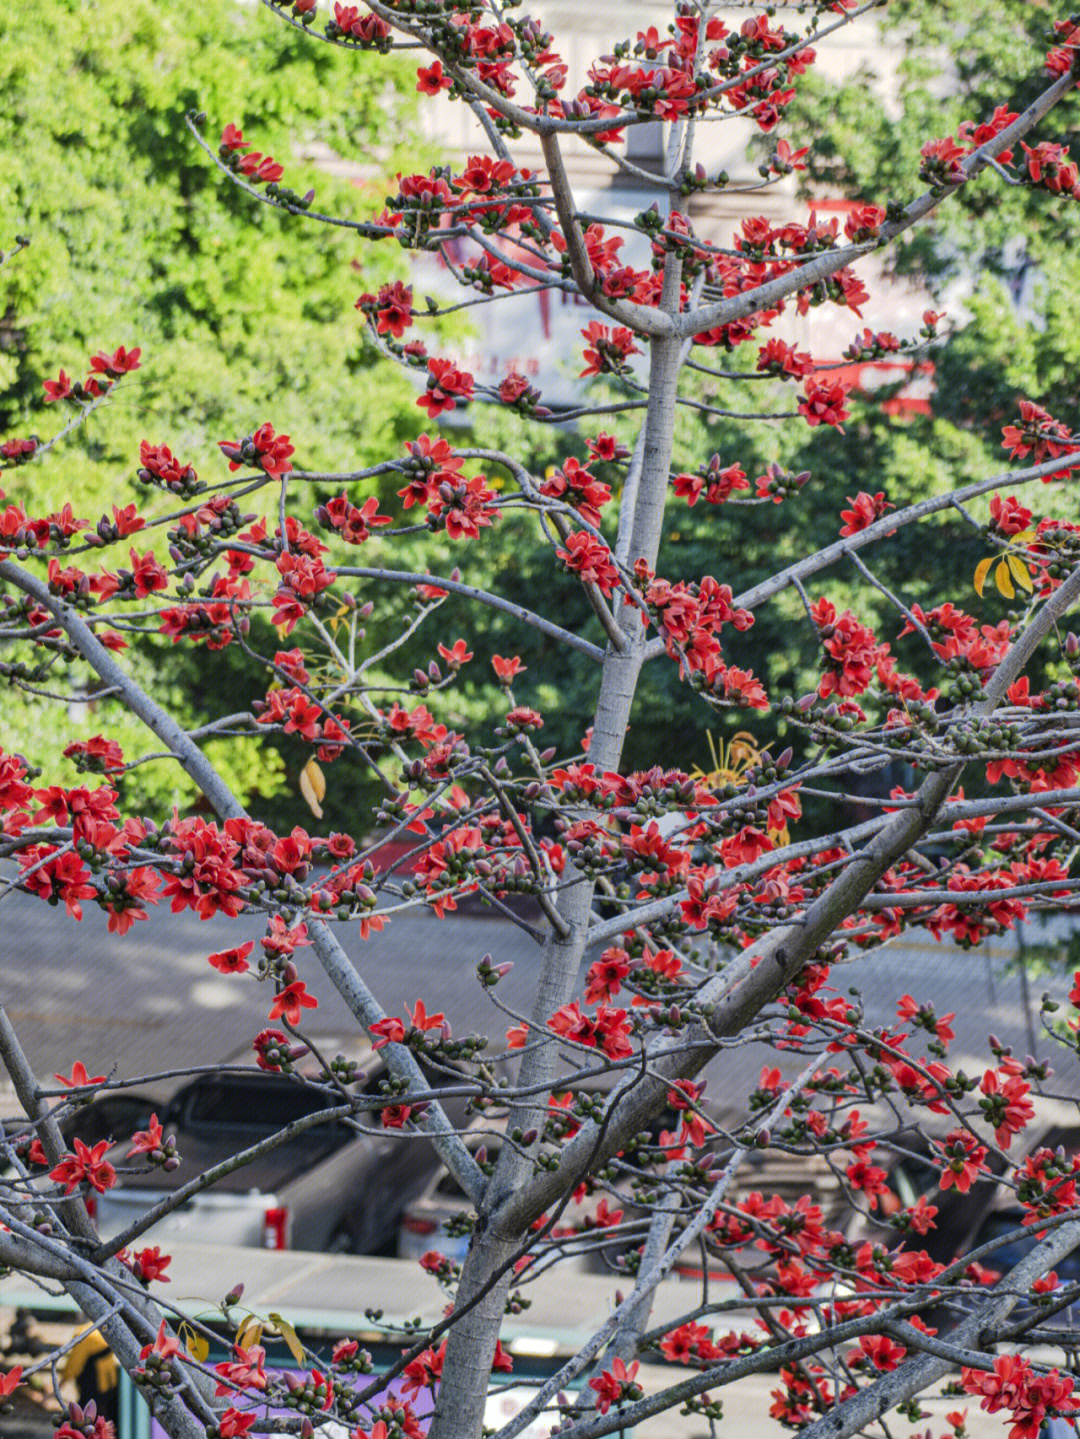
(359, 1237)
(341, 1241)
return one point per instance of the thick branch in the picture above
(339, 968)
(724, 312)
(761, 972)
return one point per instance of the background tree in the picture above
(134, 241)
(718, 930)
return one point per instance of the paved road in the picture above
(150, 1000)
(73, 991)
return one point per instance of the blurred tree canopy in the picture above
(1009, 288)
(243, 313)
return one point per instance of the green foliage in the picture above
(1005, 251)
(243, 314)
(246, 315)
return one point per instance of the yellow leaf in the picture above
(250, 1332)
(1003, 582)
(288, 1333)
(982, 569)
(313, 787)
(195, 1344)
(1020, 572)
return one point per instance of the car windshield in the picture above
(115, 1117)
(251, 1105)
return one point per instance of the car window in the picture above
(372, 1079)
(993, 1227)
(115, 1117)
(250, 1105)
(912, 1178)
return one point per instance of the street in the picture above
(150, 1001)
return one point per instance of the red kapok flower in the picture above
(290, 1001)
(85, 1165)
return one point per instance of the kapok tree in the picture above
(714, 915)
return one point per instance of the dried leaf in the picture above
(982, 569)
(313, 787)
(1020, 572)
(249, 1333)
(288, 1333)
(196, 1344)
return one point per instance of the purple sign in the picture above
(331, 1428)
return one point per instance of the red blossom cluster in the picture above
(105, 370)
(1030, 1398)
(1039, 435)
(852, 650)
(264, 450)
(256, 168)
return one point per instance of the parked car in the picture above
(328, 1188)
(423, 1222)
(442, 1202)
(112, 1116)
(963, 1221)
